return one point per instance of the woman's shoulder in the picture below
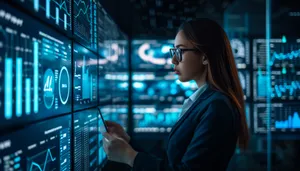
(213, 98)
(220, 103)
(218, 97)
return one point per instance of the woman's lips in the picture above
(177, 72)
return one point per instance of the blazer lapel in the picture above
(202, 97)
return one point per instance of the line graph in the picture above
(47, 149)
(286, 88)
(282, 54)
(82, 24)
(285, 85)
(85, 22)
(83, 10)
(39, 166)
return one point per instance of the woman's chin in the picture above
(182, 79)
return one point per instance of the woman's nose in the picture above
(174, 60)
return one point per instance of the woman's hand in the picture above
(118, 150)
(117, 130)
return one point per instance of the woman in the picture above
(212, 119)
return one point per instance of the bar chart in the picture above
(85, 77)
(36, 66)
(293, 121)
(55, 12)
(285, 117)
(9, 86)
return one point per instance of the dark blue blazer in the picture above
(203, 139)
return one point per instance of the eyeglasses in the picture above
(178, 53)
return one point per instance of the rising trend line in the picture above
(279, 89)
(282, 56)
(82, 11)
(45, 163)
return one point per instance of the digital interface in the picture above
(116, 113)
(241, 52)
(86, 140)
(55, 12)
(120, 48)
(285, 85)
(151, 55)
(104, 87)
(112, 44)
(119, 87)
(101, 31)
(161, 118)
(160, 87)
(47, 72)
(155, 118)
(285, 117)
(85, 78)
(35, 69)
(244, 77)
(44, 146)
(106, 35)
(284, 54)
(116, 53)
(85, 22)
(101, 153)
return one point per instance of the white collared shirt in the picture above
(189, 101)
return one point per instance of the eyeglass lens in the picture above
(177, 54)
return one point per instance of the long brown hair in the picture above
(211, 40)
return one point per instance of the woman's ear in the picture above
(204, 60)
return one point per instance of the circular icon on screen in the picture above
(48, 88)
(154, 55)
(238, 48)
(64, 85)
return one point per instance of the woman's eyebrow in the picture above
(179, 45)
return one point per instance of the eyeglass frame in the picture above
(179, 58)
